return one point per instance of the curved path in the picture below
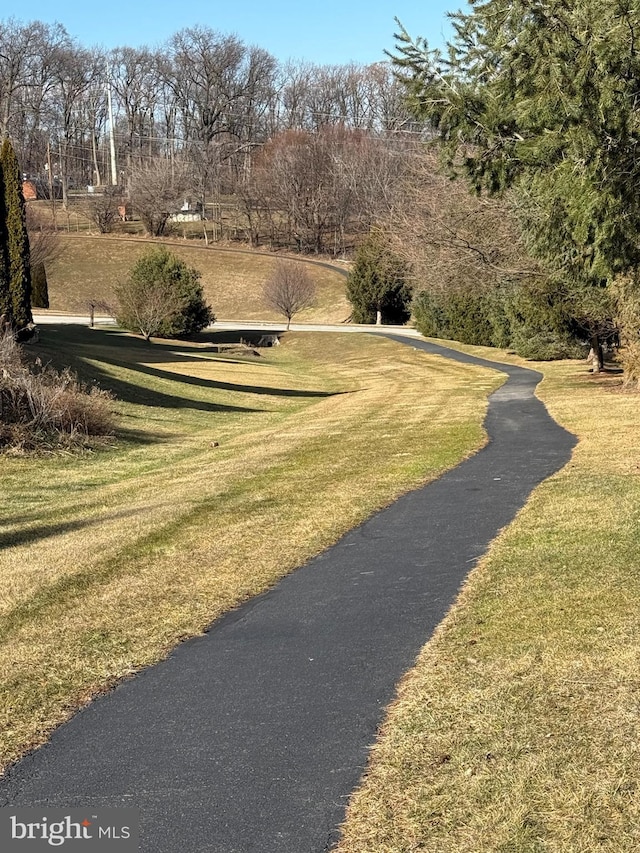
(251, 737)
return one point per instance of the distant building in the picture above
(189, 212)
(36, 188)
(29, 190)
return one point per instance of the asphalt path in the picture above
(250, 738)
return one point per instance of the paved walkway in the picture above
(249, 739)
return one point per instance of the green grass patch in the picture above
(519, 728)
(227, 473)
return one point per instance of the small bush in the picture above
(43, 409)
(39, 286)
(103, 208)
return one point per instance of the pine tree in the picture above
(377, 285)
(542, 97)
(17, 241)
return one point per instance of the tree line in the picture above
(299, 150)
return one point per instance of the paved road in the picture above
(54, 317)
(250, 738)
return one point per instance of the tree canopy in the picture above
(543, 97)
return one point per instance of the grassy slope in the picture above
(89, 267)
(110, 559)
(519, 728)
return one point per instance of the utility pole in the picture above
(112, 138)
(52, 194)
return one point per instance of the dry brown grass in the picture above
(519, 728)
(89, 267)
(43, 409)
(109, 561)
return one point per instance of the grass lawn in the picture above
(89, 267)
(519, 729)
(229, 472)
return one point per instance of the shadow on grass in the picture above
(236, 336)
(73, 346)
(28, 535)
(223, 386)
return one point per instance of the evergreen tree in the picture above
(6, 311)
(377, 286)
(542, 97)
(17, 267)
(163, 297)
(39, 286)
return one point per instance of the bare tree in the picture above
(157, 191)
(44, 247)
(295, 170)
(135, 76)
(451, 239)
(103, 208)
(27, 110)
(74, 71)
(44, 243)
(289, 290)
(20, 45)
(322, 188)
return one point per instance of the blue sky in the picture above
(327, 32)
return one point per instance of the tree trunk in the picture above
(378, 317)
(63, 174)
(596, 354)
(96, 165)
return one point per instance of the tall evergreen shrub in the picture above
(16, 252)
(5, 294)
(378, 287)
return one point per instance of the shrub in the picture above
(528, 317)
(429, 315)
(541, 327)
(163, 297)
(103, 209)
(43, 409)
(458, 315)
(39, 286)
